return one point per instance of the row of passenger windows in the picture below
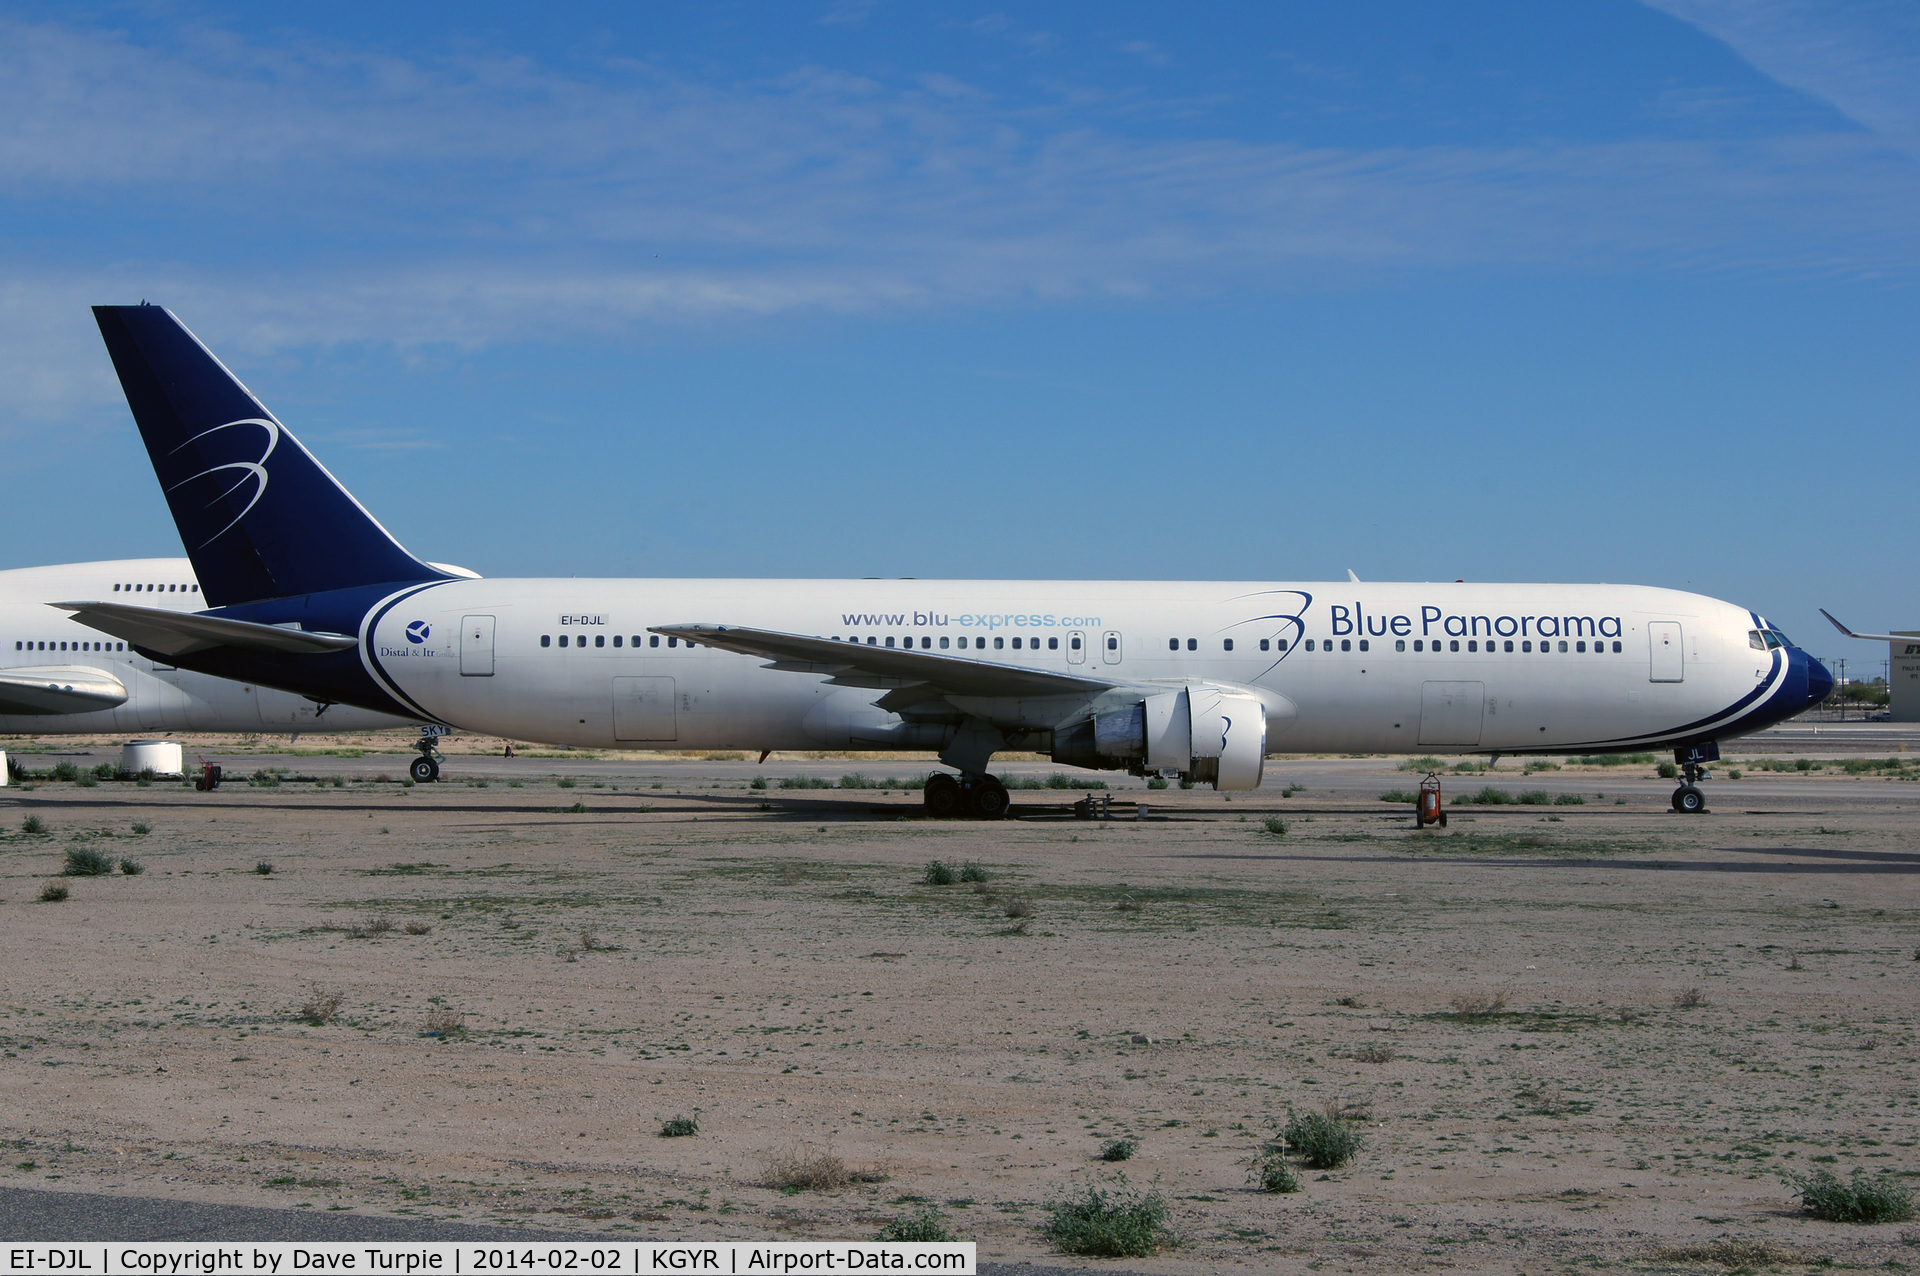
(619, 640)
(978, 643)
(927, 643)
(151, 589)
(1579, 646)
(65, 646)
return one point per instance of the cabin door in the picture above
(1450, 712)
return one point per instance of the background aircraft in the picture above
(308, 592)
(58, 678)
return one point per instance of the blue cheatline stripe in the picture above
(371, 654)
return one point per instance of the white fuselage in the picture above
(160, 698)
(1364, 667)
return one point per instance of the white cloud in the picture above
(1860, 56)
(498, 200)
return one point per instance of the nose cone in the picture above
(1819, 681)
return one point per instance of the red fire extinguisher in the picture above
(1429, 810)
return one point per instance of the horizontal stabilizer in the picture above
(855, 664)
(51, 689)
(176, 633)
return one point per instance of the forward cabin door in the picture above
(1077, 648)
(476, 647)
(1667, 662)
(1450, 712)
(644, 709)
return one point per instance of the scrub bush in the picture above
(1115, 1223)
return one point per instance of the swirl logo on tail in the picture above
(254, 472)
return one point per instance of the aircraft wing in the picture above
(177, 633)
(852, 664)
(52, 689)
(1868, 637)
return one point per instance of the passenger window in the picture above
(874, 642)
(1229, 644)
(1053, 644)
(889, 640)
(1399, 644)
(1616, 648)
(116, 589)
(618, 639)
(1363, 644)
(1016, 644)
(1173, 644)
(196, 589)
(671, 642)
(599, 640)
(1526, 646)
(944, 642)
(1472, 645)
(1417, 645)
(1453, 644)
(1580, 647)
(1309, 644)
(1263, 644)
(999, 644)
(1282, 644)
(653, 640)
(1193, 644)
(1563, 645)
(1346, 644)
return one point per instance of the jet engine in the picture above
(1210, 734)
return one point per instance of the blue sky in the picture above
(1588, 291)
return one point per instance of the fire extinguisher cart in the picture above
(1428, 809)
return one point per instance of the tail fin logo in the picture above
(235, 474)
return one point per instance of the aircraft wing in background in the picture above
(55, 689)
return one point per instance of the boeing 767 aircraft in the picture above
(305, 591)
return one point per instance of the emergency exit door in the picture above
(476, 647)
(1667, 662)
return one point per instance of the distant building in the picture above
(1903, 676)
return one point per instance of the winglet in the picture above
(1869, 637)
(1350, 576)
(1836, 624)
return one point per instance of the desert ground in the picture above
(1574, 1035)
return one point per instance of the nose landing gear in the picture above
(952, 797)
(425, 769)
(1692, 760)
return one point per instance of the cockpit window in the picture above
(1755, 641)
(1777, 639)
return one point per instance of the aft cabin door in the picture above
(1450, 712)
(1668, 663)
(1110, 647)
(476, 647)
(643, 709)
(1076, 648)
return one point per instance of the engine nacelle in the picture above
(1214, 735)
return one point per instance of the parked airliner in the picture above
(304, 590)
(56, 681)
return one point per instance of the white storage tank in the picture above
(3, 769)
(162, 757)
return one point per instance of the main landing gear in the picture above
(1692, 760)
(965, 796)
(425, 769)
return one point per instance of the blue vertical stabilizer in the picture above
(259, 516)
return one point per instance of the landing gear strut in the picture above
(425, 769)
(1692, 760)
(979, 796)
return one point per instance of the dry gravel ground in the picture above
(1679, 1010)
